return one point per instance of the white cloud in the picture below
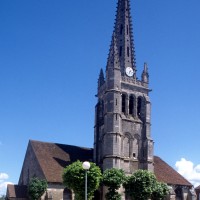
(189, 171)
(3, 183)
(3, 176)
(3, 187)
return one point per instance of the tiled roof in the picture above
(165, 173)
(53, 157)
(17, 191)
(197, 188)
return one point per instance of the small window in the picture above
(120, 51)
(127, 31)
(121, 29)
(128, 51)
(139, 107)
(134, 155)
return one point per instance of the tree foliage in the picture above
(160, 191)
(143, 185)
(3, 197)
(36, 188)
(113, 178)
(74, 178)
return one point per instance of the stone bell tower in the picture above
(122, 136)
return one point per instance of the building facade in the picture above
(122, 131)
(122, 137)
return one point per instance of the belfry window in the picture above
(139, 107)
(131, 105)
(123, 103)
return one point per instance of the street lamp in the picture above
(86, 167)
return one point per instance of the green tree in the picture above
(113, 178)
(36, 188)
(140, 185)
(74, 179)
(160, 191)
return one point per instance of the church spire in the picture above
(145, 74)
(123, 112)
(113, 57)
(124, 36)
(101, 78)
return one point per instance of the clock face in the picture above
(129, 71)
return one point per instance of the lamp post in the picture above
(86, 167)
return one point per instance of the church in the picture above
(122, 129)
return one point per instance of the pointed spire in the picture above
(124, 36)
(145, 74)
(113, 57)
(101, 79)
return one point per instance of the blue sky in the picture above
(50, 56)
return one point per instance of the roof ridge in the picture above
(37, 141)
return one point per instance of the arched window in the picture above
(123, 103)
(131, 105)
(67, 194)
(179, 193)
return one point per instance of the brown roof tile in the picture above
(53, 157)
(165, 173)
(197, 188)
(17, 191)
